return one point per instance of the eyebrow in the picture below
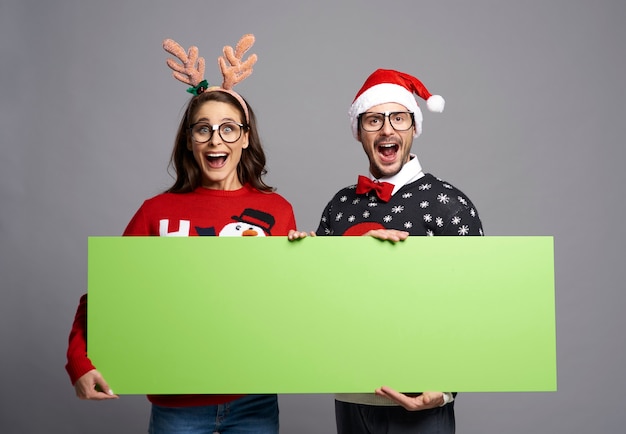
(223, 120)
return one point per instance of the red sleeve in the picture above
(292, 221)
(290, 224)
(78, 364)
(138, 225)
(286, 220)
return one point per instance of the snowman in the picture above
(251, 223)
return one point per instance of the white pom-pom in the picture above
(435, 103)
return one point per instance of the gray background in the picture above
(533, 132)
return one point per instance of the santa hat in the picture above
(387, 85)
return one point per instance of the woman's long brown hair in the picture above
(251, 167)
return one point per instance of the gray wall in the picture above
(533, 133)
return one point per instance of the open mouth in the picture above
(216, 161)
(388, 151)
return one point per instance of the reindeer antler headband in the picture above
(191, 71)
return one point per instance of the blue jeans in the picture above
(251, 414)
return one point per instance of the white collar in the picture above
(410, 172)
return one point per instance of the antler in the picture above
(238, 71)
(191, 71)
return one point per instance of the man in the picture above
(396, 200)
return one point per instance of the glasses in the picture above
(230, 132)
(400, 121)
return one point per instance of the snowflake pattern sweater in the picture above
(427, 206)
(203, 212)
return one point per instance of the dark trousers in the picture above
(374, 419)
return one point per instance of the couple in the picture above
(220, 164)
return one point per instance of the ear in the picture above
(245, 143)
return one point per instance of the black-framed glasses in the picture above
(230, 132)
(373, 121)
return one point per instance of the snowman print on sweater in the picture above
(250, 223)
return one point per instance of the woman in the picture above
(219, 163)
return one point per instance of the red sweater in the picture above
(203, 212)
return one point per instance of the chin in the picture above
(388, 171)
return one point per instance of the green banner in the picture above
(169, 315)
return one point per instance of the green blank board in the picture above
(322, 315)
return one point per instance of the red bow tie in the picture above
(383, 189)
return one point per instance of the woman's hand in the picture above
(297, 235)
(92, 386)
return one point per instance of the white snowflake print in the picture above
(448, 186)
(373, 198)
(351, 218)
(425, 187)
(327, 231)
(443, 198)
(439, 222)
(355, 201)
(428, 218)
(396, 209)
(424, 204)
(462, 200)
(372, 204)
(464, 230)
(472, 212)
(324, 219)
(387, 218)
(407, 195)
(338, 216)
(366, 214)
(343, 198)
(408, 225)
(480, 231)
(430, 233)
(456, 220)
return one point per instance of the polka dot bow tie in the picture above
(382, 189)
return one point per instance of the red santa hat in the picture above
(387, 85)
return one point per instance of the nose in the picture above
(215, 137)
(387, 128)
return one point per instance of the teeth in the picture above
(216, 155)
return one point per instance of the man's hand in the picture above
(413, 403)
(92, 386)
(392, 235)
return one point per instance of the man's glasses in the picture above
(400, 121)
(230, 132)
